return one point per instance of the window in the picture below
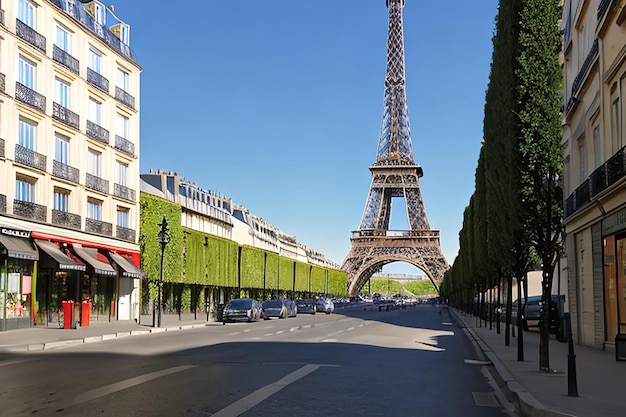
(61, 199)
(26, 72)
(582, 160)
(25, 189)
(94, 209)
(95, 61)
(597, 146)
(62, 40)
(615, 125)
(99, 13)
(95, 111)
(125, 33)
(121, 79)
(122, 173)
(62, 93)
(121, 126)
(27, 134)
(123, 217)
(94, 162)
(62, 149)
(26, 13)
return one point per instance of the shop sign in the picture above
(614, 223)
(13, 232)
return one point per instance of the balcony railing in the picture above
(29, 157)
(65, 59)
(124, 192)
(97, 132)
(99, 227)
(602, 8)
(1, 148)
(3, 203)
(30, 97)
(124, 97)
(97, 184)
(65, 115)
(125, 233)
(124, 145)
(30, 210)
(3, 86)
(66, 172)
(63, 218)
(97, 80)
(613, 170)
(30, 35)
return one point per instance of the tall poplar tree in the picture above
(539, 76)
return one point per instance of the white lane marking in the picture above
(350, 328)
(241, 406)
(118, 386)
(280, 331)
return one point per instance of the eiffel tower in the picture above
(394, 174)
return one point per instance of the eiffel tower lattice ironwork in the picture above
(394, 174)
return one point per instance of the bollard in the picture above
(572, 385)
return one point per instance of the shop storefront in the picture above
(98, 283)
(18, 259)
(59, 275)
(614, 239)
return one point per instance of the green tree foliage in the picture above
(540, 77)
(318, 280)
(252, 267)
(271, 271)
(422, 287)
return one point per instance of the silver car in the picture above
(241, 309)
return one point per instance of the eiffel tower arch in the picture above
(394, 175)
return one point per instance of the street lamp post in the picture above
(164, 239)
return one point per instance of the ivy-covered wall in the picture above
(195, 258)
(152, 211)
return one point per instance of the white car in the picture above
(325, 305)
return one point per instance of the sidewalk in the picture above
(601, 380)
(44, 338)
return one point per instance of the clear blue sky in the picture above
(278, 104)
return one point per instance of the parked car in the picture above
(532, 314)
(241, 309)
(325, 305)
(292, 308)
(306, 306)
(274, 308)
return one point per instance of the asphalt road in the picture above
(412, 362)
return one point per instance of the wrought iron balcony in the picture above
(124, 192)
(124, 145)
(65, 115)
(30, 35)
(582, 74)
(97, 80)
(29, 157)
(30, 210)
(1, 148)
(603, 8)
(66, 172)
(30, 97)
(97, 132)
(97, 184)
(3, 86)
(3, 203)
(124, 97)
(63, 218)
(125, 233)
(99, 227)
(65, 59)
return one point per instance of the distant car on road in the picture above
(292, 308)
(241, 309)
(306, 306)
(274, 308)
(325, 305)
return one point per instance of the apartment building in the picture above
(594, 143)
(69, 164)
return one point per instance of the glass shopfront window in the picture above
(15, 294)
